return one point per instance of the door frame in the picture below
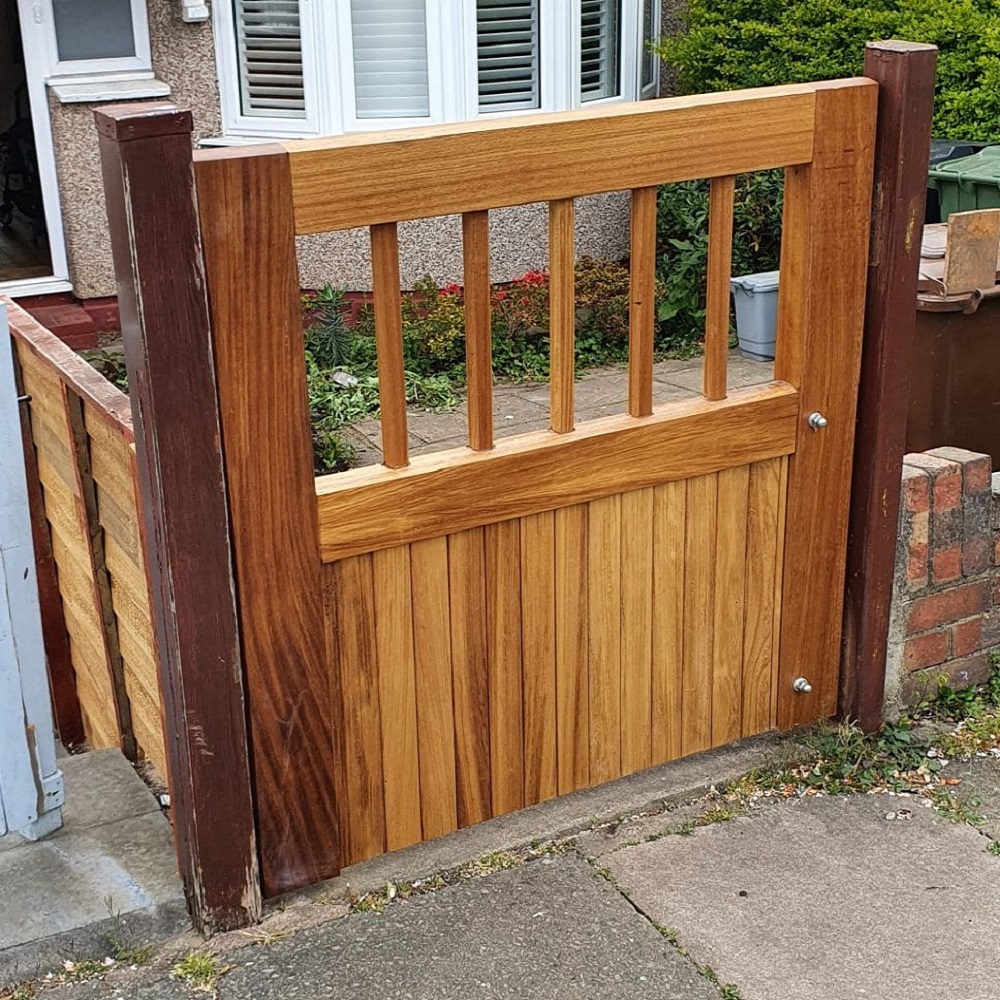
(36, 68)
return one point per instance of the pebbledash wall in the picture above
(183, 56)
(945, 617)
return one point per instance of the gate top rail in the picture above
(449, 169)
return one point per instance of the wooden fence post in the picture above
(905, 74)
(149, 184)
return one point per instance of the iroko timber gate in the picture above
(435, 641)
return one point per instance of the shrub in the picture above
(682, 248)
(729, 44)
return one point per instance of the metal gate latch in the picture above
(816, 420)
(801, 686)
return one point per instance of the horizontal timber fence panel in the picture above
(81, 430)
(432, 642)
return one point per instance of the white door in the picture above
(30, 783)
(36, 66)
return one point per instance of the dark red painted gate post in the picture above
(905, 74)
(149, 183)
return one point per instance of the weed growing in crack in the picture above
(200, 971)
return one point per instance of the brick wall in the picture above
(946, 604)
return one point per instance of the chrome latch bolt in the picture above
(801, 686)
(816, 421)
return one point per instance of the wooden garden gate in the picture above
(438, 640)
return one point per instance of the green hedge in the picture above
(731, 44)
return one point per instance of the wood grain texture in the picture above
(669, 527)
(642, 302)
(637, 629)
(538, 650)
(604, 613)
(699, 613)
(435, 700)
(349, 597)
(260, 364)
(470, 674)
(562, 313)
(58, 658)
(832, 243)
(905, 75)
(970, 256)
(371, 508)
(572, 649)
(66, 511)
(163, 298)
(503, 640)
(722, 191)
(478, 333)
(389, 345)
(449, 169)
(730, 601)
(87, 490)
(765, 538)
(397, 696)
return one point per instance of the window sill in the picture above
(98, 88)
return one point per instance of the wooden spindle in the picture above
(562, 313)
(642, 311)
(720, 264)
(478, 343)
(389, 344)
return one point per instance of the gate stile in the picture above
(445, 638)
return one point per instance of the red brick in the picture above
(996, 553)
(976, 467)
(967, 637)
(949, 606)
(916, 564)
(921, 685)
(946, 565)
(69, 323)
(925, 650)
(975, 556)
(947, 491)
(916, 490)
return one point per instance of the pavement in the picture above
(109, 873)
(867, 896)
(523, 407)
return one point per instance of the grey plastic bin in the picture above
(756, 298)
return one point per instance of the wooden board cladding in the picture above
(372, 508)
(450, 169)
(496, 667)
(112, 462)
(60, 383)
(66, 513)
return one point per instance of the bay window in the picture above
(301, 67)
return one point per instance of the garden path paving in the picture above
(519, 408)
(801, 898)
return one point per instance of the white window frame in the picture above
(139, 66)
(451, 63)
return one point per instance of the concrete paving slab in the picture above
(980, 779)
(824, 897)
(111, 869)
(741, 372)
(551, 929)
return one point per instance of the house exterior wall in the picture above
(184, 57)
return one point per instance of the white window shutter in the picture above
(600, 41)
(507, 37)
(390, 58)
(269, 58)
